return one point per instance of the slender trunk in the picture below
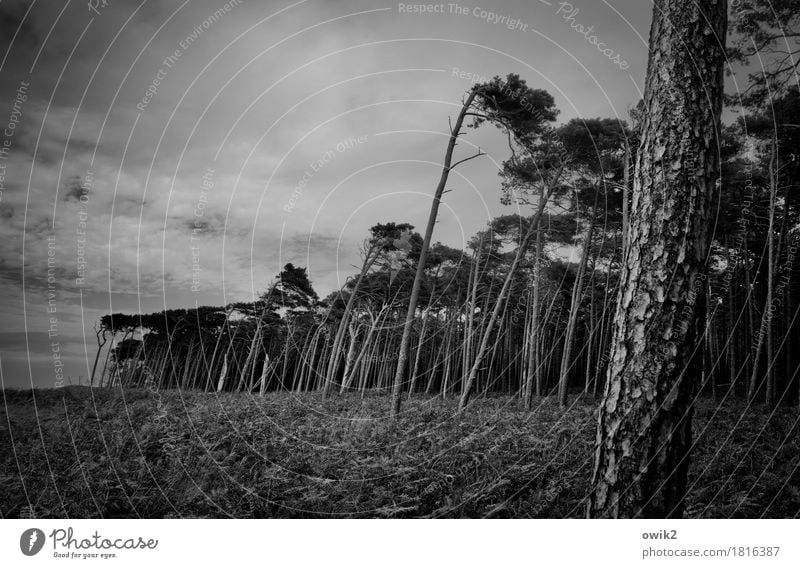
(100, 333)
(590, 341)
(417, 356)
(432, 368)
(402, 355)
(575, 304)
(333, 365)
(448, 362)
(249, 360)
(222, 373)
(523, 246)
(732, 334)
(350, 358)
(262, 387)
(626, 196)
(534, 376)
(748, 288)
(766, 315)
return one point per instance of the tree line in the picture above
(526, 309)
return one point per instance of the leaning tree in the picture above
(523, 113)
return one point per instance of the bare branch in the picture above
(480, 153)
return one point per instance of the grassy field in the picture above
(78, 452)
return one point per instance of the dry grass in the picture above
(78, 452)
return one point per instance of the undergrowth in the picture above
(83, 453)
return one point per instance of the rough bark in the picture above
(644, 427)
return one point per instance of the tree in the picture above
(386, 239)
(292, 291)
(100, 332)
(508, 104)
(767, 31)
(644, 427)
(546, 166)
(598, 151)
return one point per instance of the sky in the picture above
(178, 153)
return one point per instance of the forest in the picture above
(527, 309)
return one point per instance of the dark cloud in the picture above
(208, 224)
(38, 226)
(13, 22)
(75, 188)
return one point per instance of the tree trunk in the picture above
(250, 360)
(534, 375)
(333, 364)
(766, 316)
(262, 388)
(420, 344)
(350, 358)
(644, 428)
(402, 355)
(222, 373)
(575, 304)
(501, 297)
(101, 332)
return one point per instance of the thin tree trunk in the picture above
(262, 388)
(222, 373)
(534, 376)
(99, 333)
(766, 315)
(249, 360)
(523, 246)
(418, 354)
(402, 355)
(575, 304)
(333, 365)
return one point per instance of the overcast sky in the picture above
(151, 147)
